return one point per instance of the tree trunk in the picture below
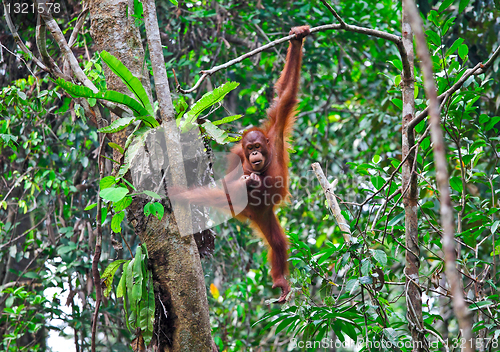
(181, 318)
(410, 199)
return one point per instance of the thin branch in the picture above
(444, 96)
(350, 28)
(98, 245)
(267, 38)
(476, 70)
(15, 239)
(384, 206)
(332, 10)
(19, 41)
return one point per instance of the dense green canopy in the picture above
(349, 120)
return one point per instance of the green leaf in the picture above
(352, 285)
(89, 207)
(122, 204)
(433, 36)
(121, 289)
(425, 143)
(220, 136)
(494, 226)
(397, 80)
(454, 46)
(380, 257)
(66, 249)
(496, 251)
(107, 182)
(463, 4)
(377, 182)
(152, 194)
(491, 123)
(449, 22)
(155, 209)
(132, 82)
(117, 125)
(398, 102)
(456, 184)
(227, 119)
(398, 64)
(365, 280)
(109, 274)
(104, 214)
(147, 316)
(445, 4)
(463, 50)
(480, 304)
(130, 284)
(117, 147)
(181, 107)
(79, 91)
(396, 219)
(139, 111)
(75, 90)
(134, 145)
(174, 2)
(206, 101)
(376, 159)
(138, 10)
(116, 222)
(391, 335)
(366, 267)
(113, 194)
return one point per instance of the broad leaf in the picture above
(117, 125)
(109, 274)
(113, 194)
(132, 82)
(206, 101)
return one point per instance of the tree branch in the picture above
(350, 28)
(19, 41)
(41, 43)
(79, 23)
(332, 201)
(63, 45)
(476, 70)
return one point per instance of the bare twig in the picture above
(332, 201)
(267, 38)
(67, 53)
(15, 239)
(332, 10)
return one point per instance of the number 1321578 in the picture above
(24, 7)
